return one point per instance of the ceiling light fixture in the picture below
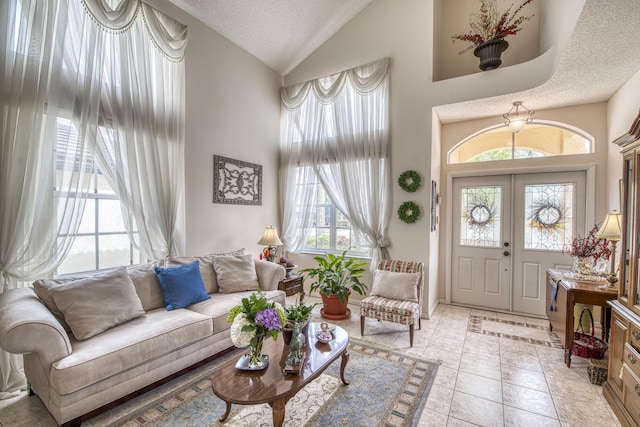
(515, 120)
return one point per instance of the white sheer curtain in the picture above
(32, 215)
(337, 128)
(140, 144)
(59, 65)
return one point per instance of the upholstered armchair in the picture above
(396, 295)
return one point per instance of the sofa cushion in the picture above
(236, 273)
(157, 333)
(41, 288)
(217, 308)
(206, 267)
(394, 285)
(182, 285)
(146, 283)
(97, 303)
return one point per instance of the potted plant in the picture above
(297, 313)
(335, 277)
(488, 30)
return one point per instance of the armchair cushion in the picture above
(394, 285)
(391, 310)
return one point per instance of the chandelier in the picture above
(516, 120)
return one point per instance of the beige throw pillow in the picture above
(41, 288)
(236, 273)
(394, 285)
(206, 267)
(97, 303)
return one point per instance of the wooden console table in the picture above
(563, 294)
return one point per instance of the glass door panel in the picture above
(548, 222)
(480, 222)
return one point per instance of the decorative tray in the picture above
(243, 363)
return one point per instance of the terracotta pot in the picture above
(489, 53)
(334, 309)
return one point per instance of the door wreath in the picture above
(409, 181)
(409, 212)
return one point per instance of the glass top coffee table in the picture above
(271, 385)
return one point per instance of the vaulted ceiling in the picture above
(603, 52)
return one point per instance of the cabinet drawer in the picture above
(631, 393)
(634, 336)
(631, 358)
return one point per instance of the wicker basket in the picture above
(597, 371)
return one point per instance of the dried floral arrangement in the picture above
(589, 246)
(490, 24)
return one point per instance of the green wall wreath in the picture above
(409, 181)
(409, 212)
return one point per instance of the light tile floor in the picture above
(483, 379)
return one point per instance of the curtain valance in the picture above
(169, 35)
(365, 79)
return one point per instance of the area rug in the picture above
(387, 388)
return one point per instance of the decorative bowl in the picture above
(323, 337)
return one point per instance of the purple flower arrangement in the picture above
(255, 318)
(269, 319)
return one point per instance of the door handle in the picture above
(506, 253)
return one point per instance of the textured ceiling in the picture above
(602, 54)
(280, 33)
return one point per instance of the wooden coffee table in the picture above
(271, 385)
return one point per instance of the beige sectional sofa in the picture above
(74, 377)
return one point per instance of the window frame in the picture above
(333, 228)
(93, 196)
(514, 146)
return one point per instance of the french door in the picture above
(507, 230)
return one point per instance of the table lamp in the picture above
(611, 230)
(271, 240)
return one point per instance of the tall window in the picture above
(335, 148)
(101, 240)
(330, 231)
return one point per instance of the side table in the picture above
(292, 285)
(562, 294)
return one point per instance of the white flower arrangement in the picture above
(255, 317)
(240, 338)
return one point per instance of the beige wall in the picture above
(402, 31)
(448, 63)
(232, 110)
(622, 109)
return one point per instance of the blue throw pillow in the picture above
(181, 286)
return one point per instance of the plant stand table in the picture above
(271, 385)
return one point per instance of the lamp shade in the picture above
(270, 237)
(517, 123)
(610, 228)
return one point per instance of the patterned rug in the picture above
(387, 389)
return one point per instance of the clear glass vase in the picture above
(255, 352)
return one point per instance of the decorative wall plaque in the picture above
(236, 182)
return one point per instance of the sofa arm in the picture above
(269, 274)
(27, 326)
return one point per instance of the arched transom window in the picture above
(538, 139)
